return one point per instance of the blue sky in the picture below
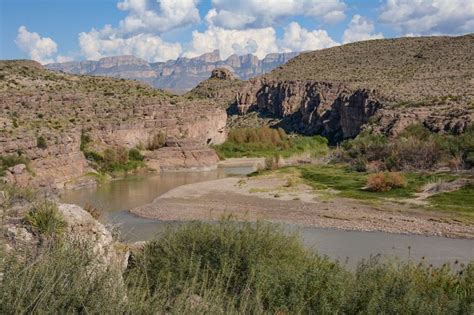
(157, 30)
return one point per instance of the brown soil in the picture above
(272, 199)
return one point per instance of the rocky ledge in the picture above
(46, 117)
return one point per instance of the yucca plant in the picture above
(46, 219)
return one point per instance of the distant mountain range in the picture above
(178, 75)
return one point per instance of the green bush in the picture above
(404, 288)
(85, 140)
(8, 161)
(60, 280)
(414, 149)
(226, 268)
(115, 159)
(41, 142)
(46, 219)
(267, 142)
(257, 258)
(135, 155)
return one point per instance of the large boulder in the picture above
(80, 223)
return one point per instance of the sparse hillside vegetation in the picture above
(409, 71)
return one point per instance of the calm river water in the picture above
(120, 195)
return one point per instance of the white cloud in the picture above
(41, 49)
(297, 38)
(429, 16)
(251, 41)
(97, 44)
(360, 29)
(257, 41)
(157, 15)
(138, 33)
(243, 14)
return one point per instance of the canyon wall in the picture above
(379, 85)
(311, 107)
(44, 114)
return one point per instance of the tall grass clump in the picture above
(8, 161)
(45, 218)
(267, 142)
(61, 278)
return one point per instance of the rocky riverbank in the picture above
(274, 199)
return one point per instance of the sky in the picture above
(158, 30)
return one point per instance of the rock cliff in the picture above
(44, 113)
(384, 85)
(178, 75)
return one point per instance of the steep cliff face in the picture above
(310, 107)
(178, 75)
(383, 85)
(43, 115)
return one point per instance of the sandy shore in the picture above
(277, 200)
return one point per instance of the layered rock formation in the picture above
(384, 85)
(178, 75)
(44, 114)
(312, 107)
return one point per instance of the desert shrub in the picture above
(158, 140)
(41, 142)
(273, 162)
(385, 181)
(14, 194)
(413, 153)
(414, 149)
(367, 145)
(405, 288)
(225, 268)
(257, 258)
(85, 140)
(8, 161)
(59, 279)
(45, 218)
(135, 155)
(115, 155)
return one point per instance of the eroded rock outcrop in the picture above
(311, 107)
(44, 116)
(180, 155)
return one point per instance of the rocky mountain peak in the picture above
(178, 75)
(223, 74)
(117, 61)
(213, 56)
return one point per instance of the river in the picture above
(116, 197)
